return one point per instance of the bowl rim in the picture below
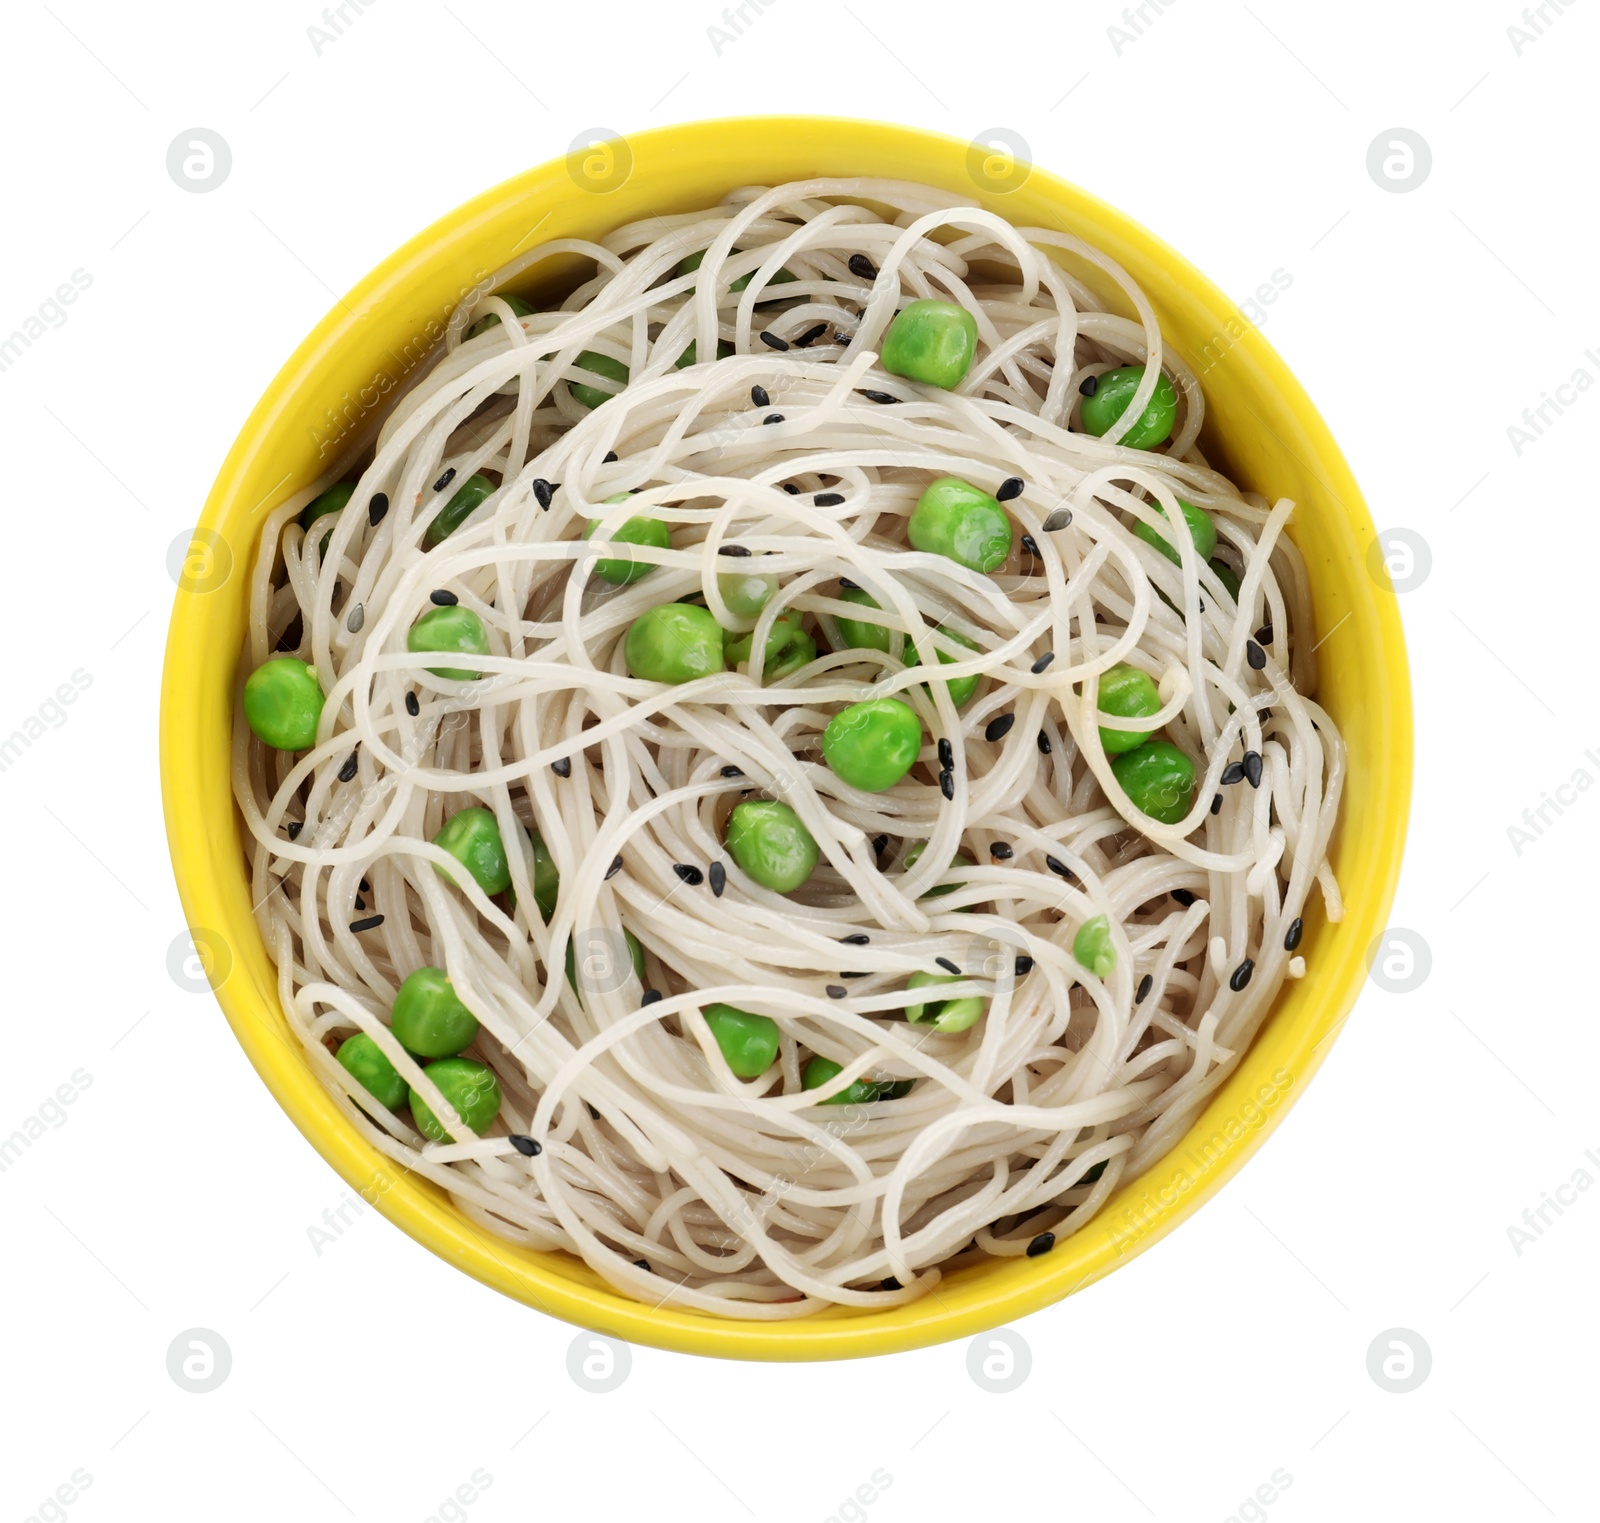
(197, 695)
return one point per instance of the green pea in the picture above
(635, 956)
(428, 1019)
(369, 1066)
(622, 570)
(466, 498)
(689, 357)
(1092, 947)
(283, 702)
(955, 519)
(862, 634)
(800, 651)
(873, 745)
(546, 878)
(688, 265)
(455, 630)
(960, 859)
(674, 642)
(933, 342)
(472, 837)
(1228, 577)
(771, 845)
(961, 689)
(473, 1093)
(946, 1015)
(331, 501)
(786, 629)
(1114, 391)
(1201, 530)
(600, 364)
(492, 319)
(1159, 779)
(819, 1070)
(749, 1042)
(746, 592)
(1129, 694)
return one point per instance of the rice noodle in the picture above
(749, 1198)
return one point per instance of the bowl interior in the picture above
(1261, 429)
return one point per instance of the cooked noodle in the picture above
(676, 1181)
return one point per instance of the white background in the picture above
(369, 1380)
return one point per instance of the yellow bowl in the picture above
(1261, 428)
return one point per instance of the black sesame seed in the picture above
(842, 338)
(371, 923)
(1058, 520)
(947, 783)
(1264, 634)
(758, 395)
(1031, 545)
(1009, 488)
(377, 507)
(810, 336)
(719, 878)
(295, 827)
(366, 888)
(1044, 743)
(643, 1264)
(1058, 867)
(948, 966)
(1241, 975)
(356, 618)
(616, 866)
(348, 770)
(610, 457)
(878, 843)
(772, 341)
(1252, 768)
(855, 939)
(1254, 654)
(1216, 803)
(526, 1145)
(689, 873)
(881, 397)
(1024, 966)
(828, 499)
(1183, 896)
(413, 708)
(791, 489)
(733, 549)
(1041, 1245)
(732, 772)
(1291, 938)
(855, 975)
(1043, 661)
(562, 766)
(891, 1283)
(837, 991)
(361, 903)
(847, 584)
(445, 480)
(440, 598)
(1001, 851)
(542, 491)
(773, 417)
(1088, 386)
(862, 266)
(947, 755)
(650, 997)
(1232, 773)
(1146, 984)
(998, 727)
